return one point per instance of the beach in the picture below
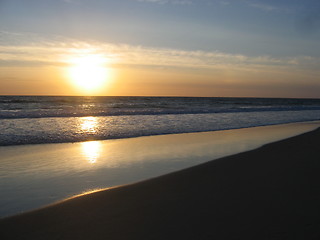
(35, 175)
(268, 193)
(159, 120)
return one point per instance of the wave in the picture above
(76, 129)
(47, 107)
(16, 114)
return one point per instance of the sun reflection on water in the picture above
(88, 124)
(91, 150)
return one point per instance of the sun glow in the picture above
(88, 124)
(89, 72)
(91, 150)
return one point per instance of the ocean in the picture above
(49, 148)
(59, 119)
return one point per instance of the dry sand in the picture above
(269, 193)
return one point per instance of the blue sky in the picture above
(273, 32)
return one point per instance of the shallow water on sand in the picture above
(32, 176)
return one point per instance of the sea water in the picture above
(40, 119)
(48, 147)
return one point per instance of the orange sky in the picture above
(152, 72)
(251, 48)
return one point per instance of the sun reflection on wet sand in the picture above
(88, 124)
(81, 167)
(91, 150)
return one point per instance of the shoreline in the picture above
(70, 127)
(161, 134)
(40, 175)
(271, 192)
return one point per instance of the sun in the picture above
(89, 72)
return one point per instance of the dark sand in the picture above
(269, 193)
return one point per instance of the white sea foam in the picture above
(34, 120)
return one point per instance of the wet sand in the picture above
(272, 192)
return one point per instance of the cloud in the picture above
(263, 7)
(71, 1)
(267, 7)
(175, 2)
(58, 51)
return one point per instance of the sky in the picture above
(209, 48)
